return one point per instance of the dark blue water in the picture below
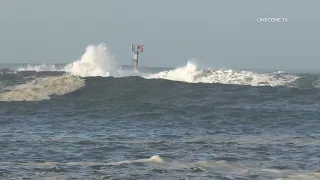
(137, 128)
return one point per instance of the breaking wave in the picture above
(98, 61)
(42, 88)
(48, 79)
(191, 74)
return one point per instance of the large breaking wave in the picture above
(42, 88)
(98, 61)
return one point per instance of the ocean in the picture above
(94, 119)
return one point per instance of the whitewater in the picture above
(97, 61)
(93, 118)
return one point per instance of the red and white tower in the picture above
(136, 50)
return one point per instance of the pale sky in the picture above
(220, 33)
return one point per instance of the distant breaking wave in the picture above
(42, 88)
(97, 61)
(191, 74)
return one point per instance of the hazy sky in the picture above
(220, 33)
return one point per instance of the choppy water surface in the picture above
(92, 120)
(137, 128)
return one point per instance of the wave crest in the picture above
(42, 88)
(191, 74)
(98, 61)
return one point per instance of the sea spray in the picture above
(96, 61)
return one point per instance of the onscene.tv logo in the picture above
(272, 20)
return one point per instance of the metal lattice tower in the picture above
(136, 50)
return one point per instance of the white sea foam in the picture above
(191, 74)
(42, 88)
(41, 67)
(316, 83)
(221, 167)
(98, 61)
(185, 74)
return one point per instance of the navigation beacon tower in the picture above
(136, 50)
